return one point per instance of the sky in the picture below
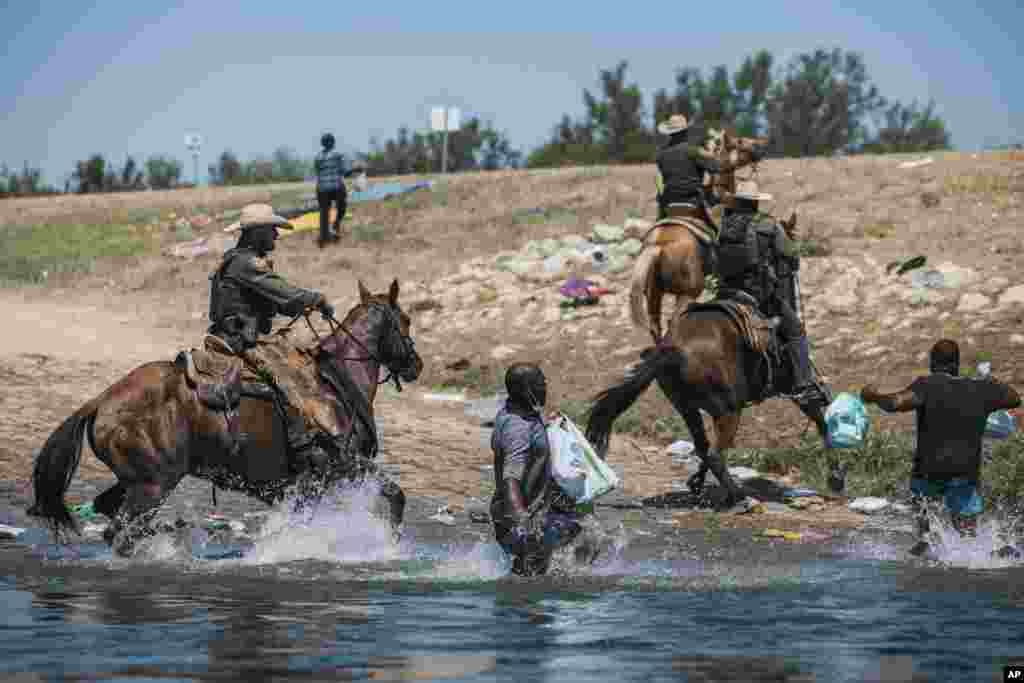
(131, 78)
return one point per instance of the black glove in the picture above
(758, 153)
(326, 310)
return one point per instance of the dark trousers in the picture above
(324, 199)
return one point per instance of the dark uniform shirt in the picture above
(681, 168)
(951, 423)
(757, 257)
(331, 166)
(246, 294)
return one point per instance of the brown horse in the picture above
(154, 426)
(674, 260)
(704, 364)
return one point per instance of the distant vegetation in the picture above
(819, 103)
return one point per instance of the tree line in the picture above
(819, 103)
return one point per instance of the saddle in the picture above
(276, 369)
(213, 376)
(690, 217)
(759, 333)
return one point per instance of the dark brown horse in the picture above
(703, 364)
(154, 426)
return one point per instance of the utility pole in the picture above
(193, 142)
(444, 119)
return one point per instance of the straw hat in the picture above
(676, 123)
(748, 190)
(258, 214)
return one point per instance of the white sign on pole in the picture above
(438, 121)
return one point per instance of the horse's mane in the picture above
(355, 401)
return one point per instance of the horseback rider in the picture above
(245, 296)
(759, 258)
(682, 163)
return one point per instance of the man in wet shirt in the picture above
(951, 416)
(525, 497)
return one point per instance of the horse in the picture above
(157, 424)
(705, 363)
(673, 259)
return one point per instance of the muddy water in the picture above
(329, 596)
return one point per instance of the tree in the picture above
(162, 172)
(227, 170)
(89, 174)
(288, 167)
(909, 129)
(822, 104)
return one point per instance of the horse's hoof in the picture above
(695, 484)
(920, 549)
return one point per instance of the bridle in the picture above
(392, 367)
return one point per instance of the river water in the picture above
(333, 598)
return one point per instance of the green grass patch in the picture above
(368, 232)
(632, 422)
(540, 215)
(880, 229)
(31, 253)
(485, 381)
(293, 198)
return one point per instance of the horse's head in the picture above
(385, 330)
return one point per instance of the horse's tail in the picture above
(644, 271)
(614, 401)
(56, 465)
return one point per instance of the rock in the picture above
(1017, 339)
(869, 506)
(927, 279)
(501, 352)
(604, 233)
(973, 302)
(630, 247)
(636, 227)
(994, 285)
(1014, 295)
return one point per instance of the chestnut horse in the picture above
(703, 364)
(151, 428)
(671, 261)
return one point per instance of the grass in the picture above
(368, 232)
(632, 422)
(882, 467)
(989, 184)
(879, 229)
(30, 254)
(485, 381)
(541, 215)
(291, 198)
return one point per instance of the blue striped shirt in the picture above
(331, 167)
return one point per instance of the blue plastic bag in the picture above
(846, 422)
(1000, 425)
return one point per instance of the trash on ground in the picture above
(485, 409)
(869, 505)
(680, 448)
(444, 397)
(811, 503)
(1000, 425)
(917, 163)
(479, 517)
(799, 493)
(743, 473)
(780, 533)
(10, 532)
(444, 516)
(927, 279)
(85, 511)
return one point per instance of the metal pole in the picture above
(444, 145)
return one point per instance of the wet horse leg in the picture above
(726, 427)
(109, 502)
(671, 386)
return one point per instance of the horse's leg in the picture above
(671, 386)
(726, 427)
(815, 411)
(654, 298)
(109, 502)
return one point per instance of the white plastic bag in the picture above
(575, 466)
(360, 183)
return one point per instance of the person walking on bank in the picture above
(331, 170)
(951, 416)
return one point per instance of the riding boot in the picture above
(805, 384)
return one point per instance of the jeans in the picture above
(324, 199)
(559, 529)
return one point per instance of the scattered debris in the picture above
(680, 448)
(448, 398)
(479, 517)
(869, 505)
(459, 365)
(917, 163)
(10, 532)
(485, 409)
(906, 266)
(779, 533)
(444, 516)
(743, 473)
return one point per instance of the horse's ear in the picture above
(393, 292)
(364, 293)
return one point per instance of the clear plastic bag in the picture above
(575, 466)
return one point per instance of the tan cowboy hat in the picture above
(676, 123)
(748, 190)
(258, 214)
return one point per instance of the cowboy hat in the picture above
(748, 190)
(676, 123)
(258, 214)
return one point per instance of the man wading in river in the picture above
(532, 517)
(951, 415)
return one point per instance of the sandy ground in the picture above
(66, 341)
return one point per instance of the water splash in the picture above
(979, 551)
(342, 528)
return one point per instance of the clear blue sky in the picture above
(124, 78)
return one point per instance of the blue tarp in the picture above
(379, 191)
